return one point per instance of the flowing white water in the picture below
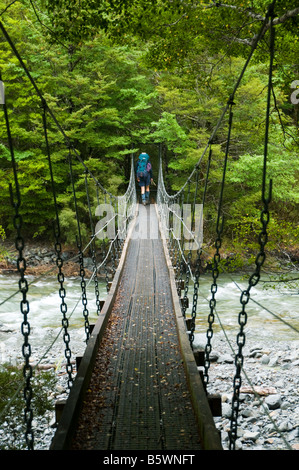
(264, 302)
(45, 316)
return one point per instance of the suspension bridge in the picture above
(141, 396)
(140, 384)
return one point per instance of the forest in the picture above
(135, 74)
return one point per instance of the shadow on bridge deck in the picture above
(138, 386)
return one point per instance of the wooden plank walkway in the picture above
(139, 396)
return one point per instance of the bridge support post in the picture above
(184, 302)
(199, 357)
(214, 400)
(59, 407)
(215, 404)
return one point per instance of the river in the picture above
(45, 316)
(272, 310)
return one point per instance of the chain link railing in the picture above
(172, 220)
(110, 249)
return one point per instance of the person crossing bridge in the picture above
(144, 175)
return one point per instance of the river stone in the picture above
(227, 358)
(273, 401)
(226, 410)
(285, 426)
(265, 359)
(256, 352)
(273, 361)
(251, 435)
(247, 412)
(294, 434)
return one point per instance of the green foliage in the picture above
(120, 73)
(174, 29)
(3, 251)
(167, 130)
(196, 108)
(101, 96)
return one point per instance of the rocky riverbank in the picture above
(12, 434)
(41, 260)
(268, 418)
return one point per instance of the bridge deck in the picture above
(138, 396)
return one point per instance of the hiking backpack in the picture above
(143, 165)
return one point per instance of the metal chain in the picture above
(59, 262)
(242, 320)
(216, 260)
(198, 259)
(260, 258)
(93, 249)
(197, 268)
(102, 247)
(117, 241)
(195, 296)
(80, 253)
(25, 329)
(171, 242)
(177, 251)
(63, 309)
(83, 288)
(189, 256)
(105, 265)
(212, 305)
(23, 287)
(181, 268)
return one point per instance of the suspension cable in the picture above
(216, 259)
(227, 106)
(93, 249)
(257, 397)
(80, 252)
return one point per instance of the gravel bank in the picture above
(44, 428)
(268, 418)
